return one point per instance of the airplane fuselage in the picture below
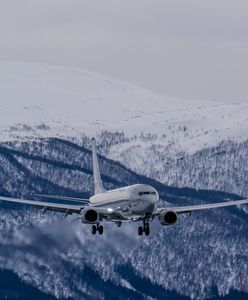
(131, 201)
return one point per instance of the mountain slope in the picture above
(222, 167)
(43, 100)
(202, 144)
(61, 258)
(169, 139)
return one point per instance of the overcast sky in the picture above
(188, 48)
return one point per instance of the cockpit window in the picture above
(147, 193)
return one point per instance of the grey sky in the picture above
(194, 48)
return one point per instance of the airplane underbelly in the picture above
(142, 207)
(138, 208)
(134, 208)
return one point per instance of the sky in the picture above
(185, 48)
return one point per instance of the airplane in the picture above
(134, 203)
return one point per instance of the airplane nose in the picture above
(153, 199)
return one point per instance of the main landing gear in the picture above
(145, 228)
(97, 228)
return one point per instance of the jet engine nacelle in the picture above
(89, 216)
(167, 218)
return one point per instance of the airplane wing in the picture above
(62, 198)
(187, 209)
(65, 208)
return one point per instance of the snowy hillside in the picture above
(193, 143)
(60, 257)
(42, 100)
(168, 139)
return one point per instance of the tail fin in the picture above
(98, 187)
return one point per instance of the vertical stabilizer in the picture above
(98, 187)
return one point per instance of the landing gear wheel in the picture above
(118, 224)
(140, 230)
(147, 229)
(100, 229)
(93, 229)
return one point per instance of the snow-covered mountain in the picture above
(38, 99)
(154, 135)
(183, 143)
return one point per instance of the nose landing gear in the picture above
(97, 228)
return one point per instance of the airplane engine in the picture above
(89, 216)
(167, 218)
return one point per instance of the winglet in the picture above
(98, 187)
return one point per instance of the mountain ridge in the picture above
(39, 100)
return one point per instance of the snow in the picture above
(42, 100)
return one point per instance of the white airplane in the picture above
(136, 202)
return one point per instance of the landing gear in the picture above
(145, 228)
(118, 223)
(93, 229)
(100, 229)
(96, 228)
